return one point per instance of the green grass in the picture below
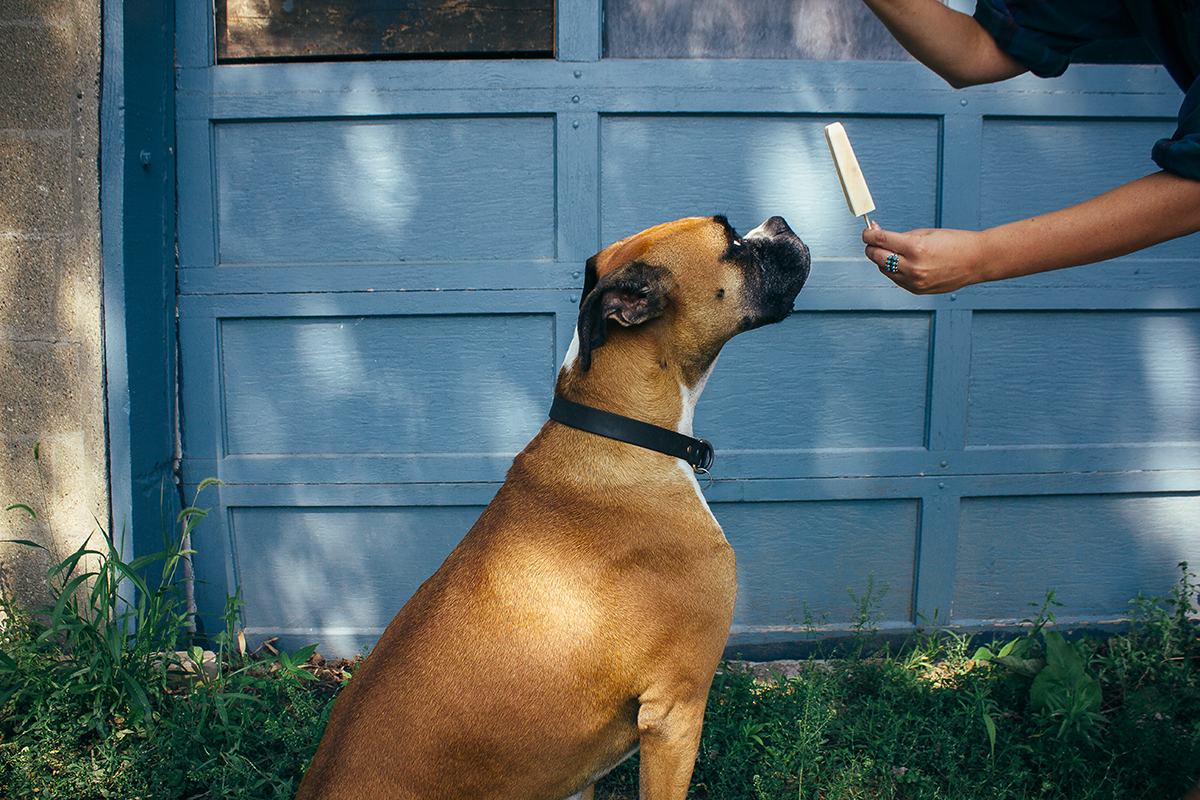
(93, 704)
(96, 699)
(1050, 718)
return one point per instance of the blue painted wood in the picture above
(1088, 157)
(578, 146)
(357, 240)
(113, 166)
(812, 383)
(364, 385)
(798, 562)
(385, 190)
(271, 91)
(948, 379)
(1098, 552)
(144, 274)
(1085, 378)
(407, 276)
(577, 27)
(370, 559)
(961, 167)
(197, 232)
(937, 556)
(750, 168)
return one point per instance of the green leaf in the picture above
(4, 698)
(1091, 695)
(983, 654)
(1059, 654)
(27, 543)
(990, 724)
(243, 696)
(131, 573)
(1029, 667)
(115, 642)
(65, 596)
(139, 695)
(68, 565)
(29, 511)
(138, 563)
(1047, 692)
(189, 512)
(302, 655)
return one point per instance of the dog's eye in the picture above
(737, 246)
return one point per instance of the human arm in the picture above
(1145, 212)
(950, 43)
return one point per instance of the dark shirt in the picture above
(1042, 34)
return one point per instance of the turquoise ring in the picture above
(892, 264)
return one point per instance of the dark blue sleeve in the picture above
(1180, 154)
(1042, 34)
(1028, 50)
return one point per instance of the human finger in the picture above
(884, 249)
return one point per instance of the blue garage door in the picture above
(379, 270)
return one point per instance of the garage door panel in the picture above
(379, 274)
(404, 384)
(1084, 377)
(1084, 157)
(1096, 552)
(657, 168)
(803, 557)
(339, 568)
(822, 380)
(385, 190)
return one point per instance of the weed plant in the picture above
(101, 696)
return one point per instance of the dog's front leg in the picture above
(669, 732)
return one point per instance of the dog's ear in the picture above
(589, 280)
(631, 295)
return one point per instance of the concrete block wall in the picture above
(51, 339)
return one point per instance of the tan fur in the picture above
(585, 612)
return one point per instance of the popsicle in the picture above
(854, 185)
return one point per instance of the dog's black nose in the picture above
(777, 226)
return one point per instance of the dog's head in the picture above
(697, 280)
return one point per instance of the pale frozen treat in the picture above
(854, 185)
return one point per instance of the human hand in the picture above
(927, 260)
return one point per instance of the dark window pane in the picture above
(273, 30)
(825, 30)
(828, 30)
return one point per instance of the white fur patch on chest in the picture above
(572, 351)
(689, 396)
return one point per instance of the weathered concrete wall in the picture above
(51, 343)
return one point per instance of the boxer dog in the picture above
(584, 614)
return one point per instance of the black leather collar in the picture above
(697, 452)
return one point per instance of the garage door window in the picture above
(819, 30)
(325, 30)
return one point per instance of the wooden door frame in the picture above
(138, 222)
